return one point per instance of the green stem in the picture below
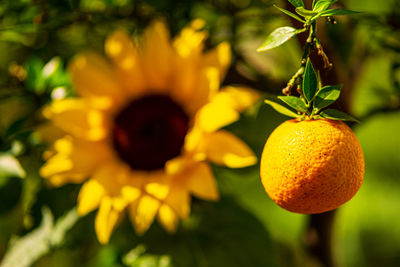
(299, 73)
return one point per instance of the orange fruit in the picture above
(312, 166)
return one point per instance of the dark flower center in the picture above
(150, 131)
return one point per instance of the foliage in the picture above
(313, 97)
(39, 38)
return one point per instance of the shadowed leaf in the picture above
(310, 82)
(297, 3)
(337, 115)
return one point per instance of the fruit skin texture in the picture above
(312, 166)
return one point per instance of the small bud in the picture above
(298, 89)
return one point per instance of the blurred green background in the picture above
(38, 38)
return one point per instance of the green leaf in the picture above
(138, 257)
(326, 96)
(294, 102)
(200, 238)
(337, 12)
(322, 5)
(281, 109)
(313, 3)
(310, 82)
(34, 76)
(290, 14)
(10, 167)
(297, 3)
(26, 250)
(337, 115)
(277, 37)
(305, 12)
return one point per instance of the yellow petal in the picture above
(220, 57)
(189, 42)
(106, 219)
(130, 193)
(157, 56)
(113, 176)
(179, 200)
(168, 218)
(201, 182)
(193, 138)
(225, 106)
(90, 196)
(75, 159)
(213, 116)
(125, 55)
(142, 214)
(75, 117)
(238, 98)
(95, 80)
(157, 190)
(226, 149)
(205, 83)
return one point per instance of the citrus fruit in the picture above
(312, 166)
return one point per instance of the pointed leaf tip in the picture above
(338, 12)
(290, 14)
(326, 96)
(281, 109)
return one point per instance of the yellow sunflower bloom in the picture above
(144, 127)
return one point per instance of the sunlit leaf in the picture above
(310, 82)
(277, 37)
(281, 109)
(326, 96)
(10, 167)
(305, 12)
(51, 67)
(26, 250)
(322, 5)
(294, 102)
(337, 115)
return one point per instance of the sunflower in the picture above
(144, 126)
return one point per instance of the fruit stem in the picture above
(318, 237)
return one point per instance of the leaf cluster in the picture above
(313, 102)
(321, 8)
